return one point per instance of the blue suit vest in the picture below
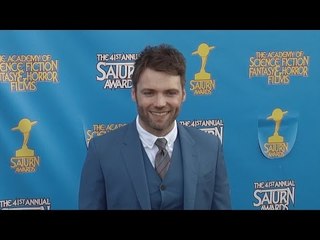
(166, 194)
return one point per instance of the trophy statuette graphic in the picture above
(277, 115)
(24, 127)
(203, 52)
(202, 84)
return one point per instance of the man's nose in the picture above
(160, 100)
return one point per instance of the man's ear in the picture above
(184, 95)
(133, 94)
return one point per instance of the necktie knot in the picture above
(161, 143)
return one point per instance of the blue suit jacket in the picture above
(113, 175)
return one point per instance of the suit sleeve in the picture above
(92, 195)
(221, 199)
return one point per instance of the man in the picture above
(129, 169)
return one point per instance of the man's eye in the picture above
(147, 93)
(172, 93)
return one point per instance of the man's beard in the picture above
(152, 125)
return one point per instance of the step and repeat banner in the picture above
(258, 91)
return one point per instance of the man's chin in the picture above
(160, 126)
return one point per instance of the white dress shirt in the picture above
(148, 140)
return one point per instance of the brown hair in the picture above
(162, 58)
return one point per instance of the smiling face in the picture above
(158, 96)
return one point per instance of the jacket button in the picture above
(162, 187)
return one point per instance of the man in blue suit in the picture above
(121, 171)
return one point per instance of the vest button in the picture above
(162, 187)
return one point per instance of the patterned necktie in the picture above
(162, 157)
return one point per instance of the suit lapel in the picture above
(190, 167)
(132, 155)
